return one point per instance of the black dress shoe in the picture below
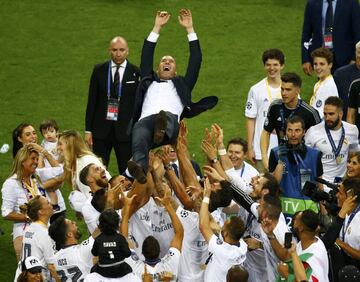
(160, 127)
(137, 171)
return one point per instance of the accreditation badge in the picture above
(112, 109)
(328, 41)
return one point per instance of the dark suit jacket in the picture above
(183, 84)
(345, 35)
(96, 109)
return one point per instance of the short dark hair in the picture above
(322, 53)
(57, 232)
(335, 101)
(310, 219)
(48, 123)
(271, 184)
(237, 273)
(275, 54)
(272, 206)
(291, 77)
(352, 183)
(109, 222)
(235, 228)
(296, 119)
(151, 248)
(238, 141)
(84, 174)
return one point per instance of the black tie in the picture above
(174, 165)
(329, 18)
(117, 80)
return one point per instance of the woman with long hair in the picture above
(76, 155)
(18, 189)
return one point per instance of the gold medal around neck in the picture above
(338, 160)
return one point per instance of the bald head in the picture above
(118, 49)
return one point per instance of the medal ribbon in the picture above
(351, 217)
(109, 82)
(269, 92)
(336, 150)
(31, 189)
(316, 88)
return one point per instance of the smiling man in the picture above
(334, 138)
(163, 97)
(292, 163)
(281, 110)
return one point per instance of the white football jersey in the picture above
(74, 262)
(316, 137)
(223, 257)
(169, 263)
(259, 99)
(194, 248)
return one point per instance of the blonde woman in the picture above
(76, 156)
(18, 189)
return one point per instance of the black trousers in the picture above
(103, 147)
(143, 135)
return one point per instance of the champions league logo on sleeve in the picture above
(248, 105)
(184, 213)
(318, 103)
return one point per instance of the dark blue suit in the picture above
(143, 130)
(345, 35)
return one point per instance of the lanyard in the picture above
(316, 88)
(336, 150)
(291, 114)
(31, 190)
(242, 170)
(109, 82)
(269, 91)
(351, 217)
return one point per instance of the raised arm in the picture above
(125, 215)
(264, 146)
(166, 201)
(204, 219)
(175, 183)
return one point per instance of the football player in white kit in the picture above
(37, 241)
(73, 261)
(156, 266)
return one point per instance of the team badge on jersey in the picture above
(248, 105)
(318, 103)
(134, 256)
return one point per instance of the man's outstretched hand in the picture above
(162, 17)
(185, 19)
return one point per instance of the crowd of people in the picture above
(288, 213)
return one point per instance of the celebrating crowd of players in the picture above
(160, 219)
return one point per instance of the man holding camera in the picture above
(334, 138)
(293, 163)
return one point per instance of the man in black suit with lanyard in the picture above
(110, 105)
(163, 98)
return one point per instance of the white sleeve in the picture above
(153, 37)
(48, 251)
(236, 180)
(308, 139)
(251, 106)
(77, 200)
(85, 251)
(8, 198)
(171, 260)
(188, 219)
(47, 173)
(192, 36)
(354, 142)
(90, 217)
